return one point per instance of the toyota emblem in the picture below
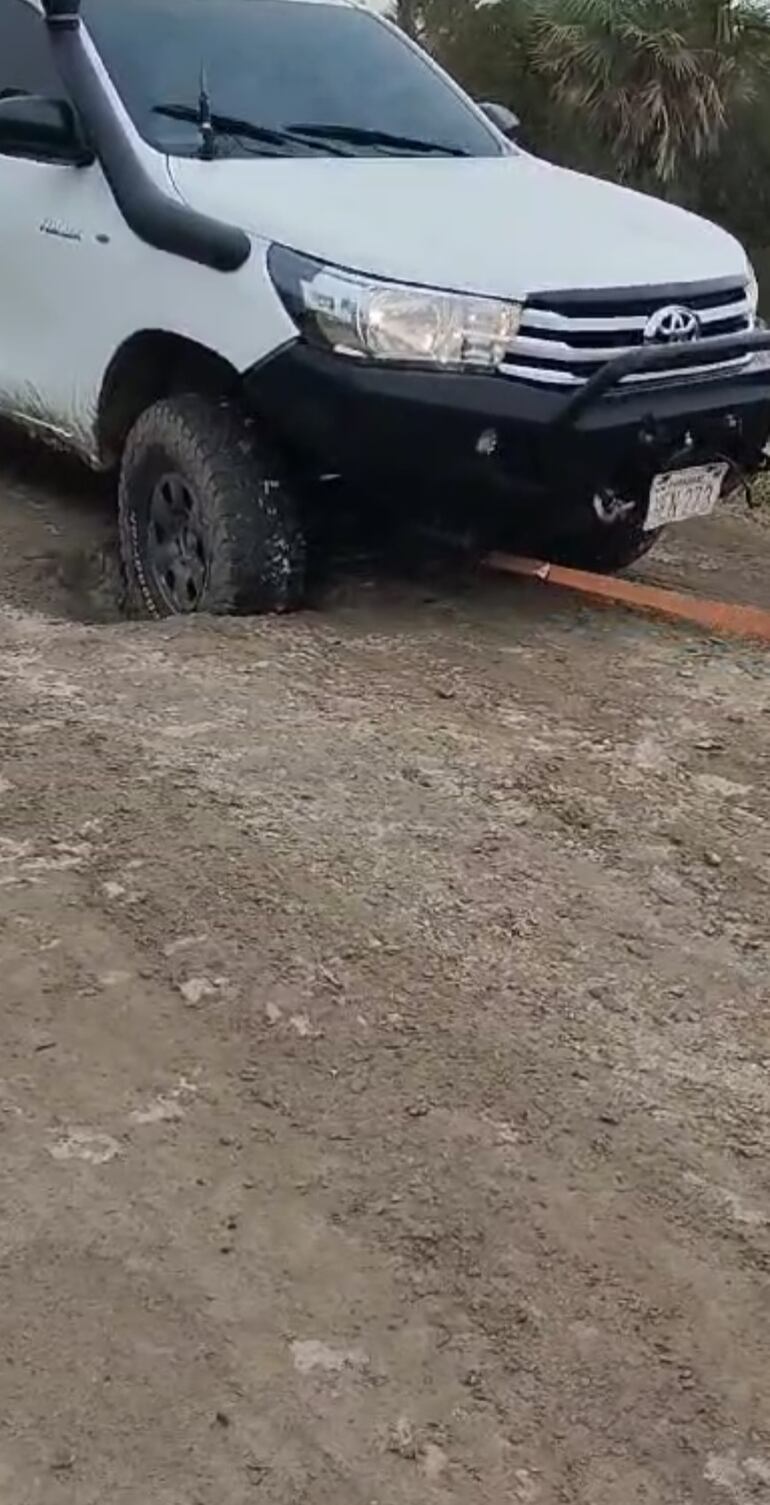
(672, 326)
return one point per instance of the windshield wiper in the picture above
(359, 136)
(230, 125)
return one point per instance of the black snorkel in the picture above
(154, 216)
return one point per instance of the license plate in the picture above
(678, 494)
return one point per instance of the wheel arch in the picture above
(149, 365)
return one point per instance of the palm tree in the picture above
(655, 81)
(406, 14)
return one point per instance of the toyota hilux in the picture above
(250, 245)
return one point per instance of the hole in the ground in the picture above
(60, 553)
(59, 538)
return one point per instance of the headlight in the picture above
(388, 321)
(752, 289)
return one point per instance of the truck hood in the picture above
(505, 226)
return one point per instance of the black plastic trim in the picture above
(158, 220)
(671, 292)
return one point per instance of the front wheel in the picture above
(207, 520)
(604, 548)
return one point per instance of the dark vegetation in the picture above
(670, 96)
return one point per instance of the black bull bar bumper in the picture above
(491, 446)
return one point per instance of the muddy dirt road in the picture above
(384, 1039)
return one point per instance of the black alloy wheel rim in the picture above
(176, 546)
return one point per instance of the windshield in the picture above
(281, 72)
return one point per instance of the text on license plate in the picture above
(678, 494)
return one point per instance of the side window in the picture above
(26, 63)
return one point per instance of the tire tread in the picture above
(257, 550)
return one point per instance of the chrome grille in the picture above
(565, 338)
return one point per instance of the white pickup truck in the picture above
(245, 244)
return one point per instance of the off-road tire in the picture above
(245, 512)
(605, 549)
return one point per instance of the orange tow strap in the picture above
(726, 617)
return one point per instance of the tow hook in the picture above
(610, 508)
